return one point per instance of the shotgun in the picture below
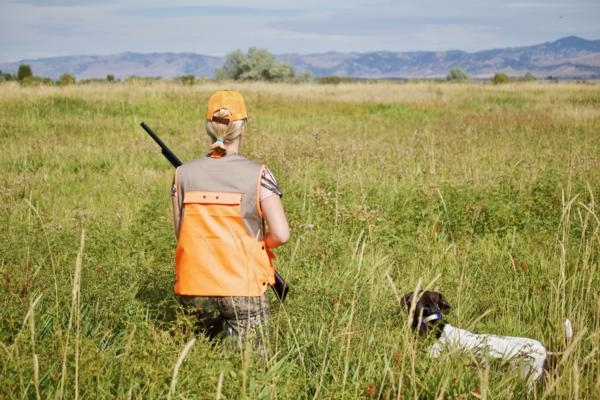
(280, 287)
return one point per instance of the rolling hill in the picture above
(567, 58)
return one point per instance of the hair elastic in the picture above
(220, 139)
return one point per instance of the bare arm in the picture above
(176, 206)
(278, 229)
(176, 216)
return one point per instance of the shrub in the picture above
(456, 75)
(334, 80)
(186, 79)
(500, 78)
(66, 79)
(5, 76)
(529, 77)
(36, 81)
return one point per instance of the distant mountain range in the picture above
(567, 58)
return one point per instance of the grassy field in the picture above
(486, 193)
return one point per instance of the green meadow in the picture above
(487, 193)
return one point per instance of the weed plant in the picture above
(485, 193)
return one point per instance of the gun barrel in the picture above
(163, 147)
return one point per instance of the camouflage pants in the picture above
(241, 318)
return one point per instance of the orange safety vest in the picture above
(220, 249)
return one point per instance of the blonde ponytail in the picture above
(222, 131)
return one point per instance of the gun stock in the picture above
(280, 287)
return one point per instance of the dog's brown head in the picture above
(428, 310)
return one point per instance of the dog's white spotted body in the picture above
(531, 352)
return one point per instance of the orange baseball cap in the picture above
(229, 100)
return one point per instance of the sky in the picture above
(31, 29)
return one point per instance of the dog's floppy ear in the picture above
(441, 302)
(406, 300)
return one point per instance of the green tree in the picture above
(456, 75)
(66, 79)
(24, 72)
(255, 65)
(500, 78)
(529, 77)
(110, 78)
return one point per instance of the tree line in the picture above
(25, 76)
(254, 65)
(459, 75)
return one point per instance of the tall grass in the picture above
(486, 193)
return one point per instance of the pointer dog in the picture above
(427, 318)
